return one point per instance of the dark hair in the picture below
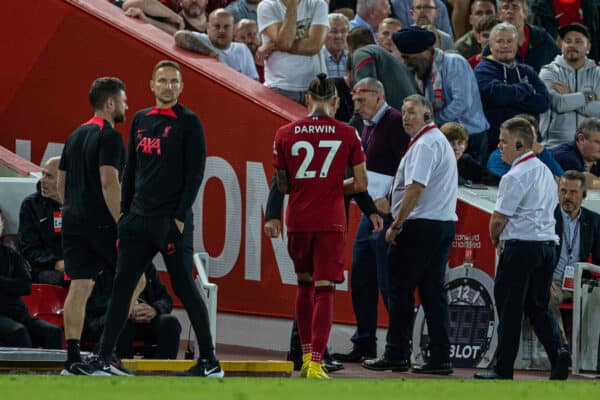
(572, 175)
(165, 63)
(322, 89)
(492, 2)
(520, 128)
(455, 131)
(102, 89)
(359, 37)
(486, 23)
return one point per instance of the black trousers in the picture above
(140, 238)
(522, 285)
(419, 261)
(31, 332)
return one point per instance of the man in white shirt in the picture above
(423, 201)
(522, 229)
(218, 43)
(293, 33)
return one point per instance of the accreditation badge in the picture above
(57, 221)
(569, 278)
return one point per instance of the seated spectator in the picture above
(292, 50)
(469, 170)
(499, 167)
(536, 47)
(583, 153)
(573, 81)
(507, 87)
(246, 31)
(448, 82)
(402, 10)
(194, 15)
(335, 51)
(468, 45)
(424, 12)
(163, 14)
(218, 43)
(40, 228)
(554, 14)
(579, 232)
(482, 36)
(17, 327)
(369, 14)
(384, 35)
(151, 319)
(243, 9)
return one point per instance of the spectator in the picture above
(194, 15)
(335, 51)
(468, 45)
(218, 43)
(579, 232)
(293, 34)
(151, 319)
(372, 61)
(507, 87)
(452, 99)
(424, 12)
(369, 14)
(550, 15)
(243, 9)
(40, 228)
(469, 170)
(499, 167)
(246, 31)
(482, 36)
(384, 142)
(162, 14)
(583, 153)
(17, 327)
(384, 35)
(535, 46)
(573, 81)
(401, 10)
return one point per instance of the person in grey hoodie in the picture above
(573, 81)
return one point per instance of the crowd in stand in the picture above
(478, 62)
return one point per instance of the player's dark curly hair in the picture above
(104, 88)
(322, 89)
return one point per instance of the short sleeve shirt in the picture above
(315, 152)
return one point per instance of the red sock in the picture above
(305, 301)
(322, 320)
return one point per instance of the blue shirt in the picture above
(358, 22)
(335, 69)
(499, 167)
(241, 10)
(570, 239)
(401, 9)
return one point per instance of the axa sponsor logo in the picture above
(149, 146)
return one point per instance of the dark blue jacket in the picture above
(542, 48)
(507, 91)
(569, 157)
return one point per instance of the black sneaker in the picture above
(117, 367)
(93, 367)
(205, 368)
(560, 367)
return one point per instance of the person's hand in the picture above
(177, 20)
(179, 225)
(272, 228)
(59, 266)
(393, 231)
(290, 3)
(143, 313)
(561, 87)
(554, 289)
(383, 205)
(377, 222)
(263, 52)
(135, 12)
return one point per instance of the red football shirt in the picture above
(315, 152)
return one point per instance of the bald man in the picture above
(40, 227)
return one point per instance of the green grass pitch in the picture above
(50, 387)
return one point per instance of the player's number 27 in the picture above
(303, 172)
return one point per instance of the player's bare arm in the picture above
(358, 182)
(111, 189)
(283, 182)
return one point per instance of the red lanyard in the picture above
(414, 140)
(529, 157)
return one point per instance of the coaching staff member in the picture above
(423, 203)
(522, 229)
(165, 167)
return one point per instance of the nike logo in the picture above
(141, 130)
(43, 219)
(210, 371)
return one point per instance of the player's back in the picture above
(84, 152)
(315, 152)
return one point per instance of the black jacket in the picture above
(40, 244)
(15, 281)
(589, 234)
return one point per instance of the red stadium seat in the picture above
(46, 302)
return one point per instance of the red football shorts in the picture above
(321, 254)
